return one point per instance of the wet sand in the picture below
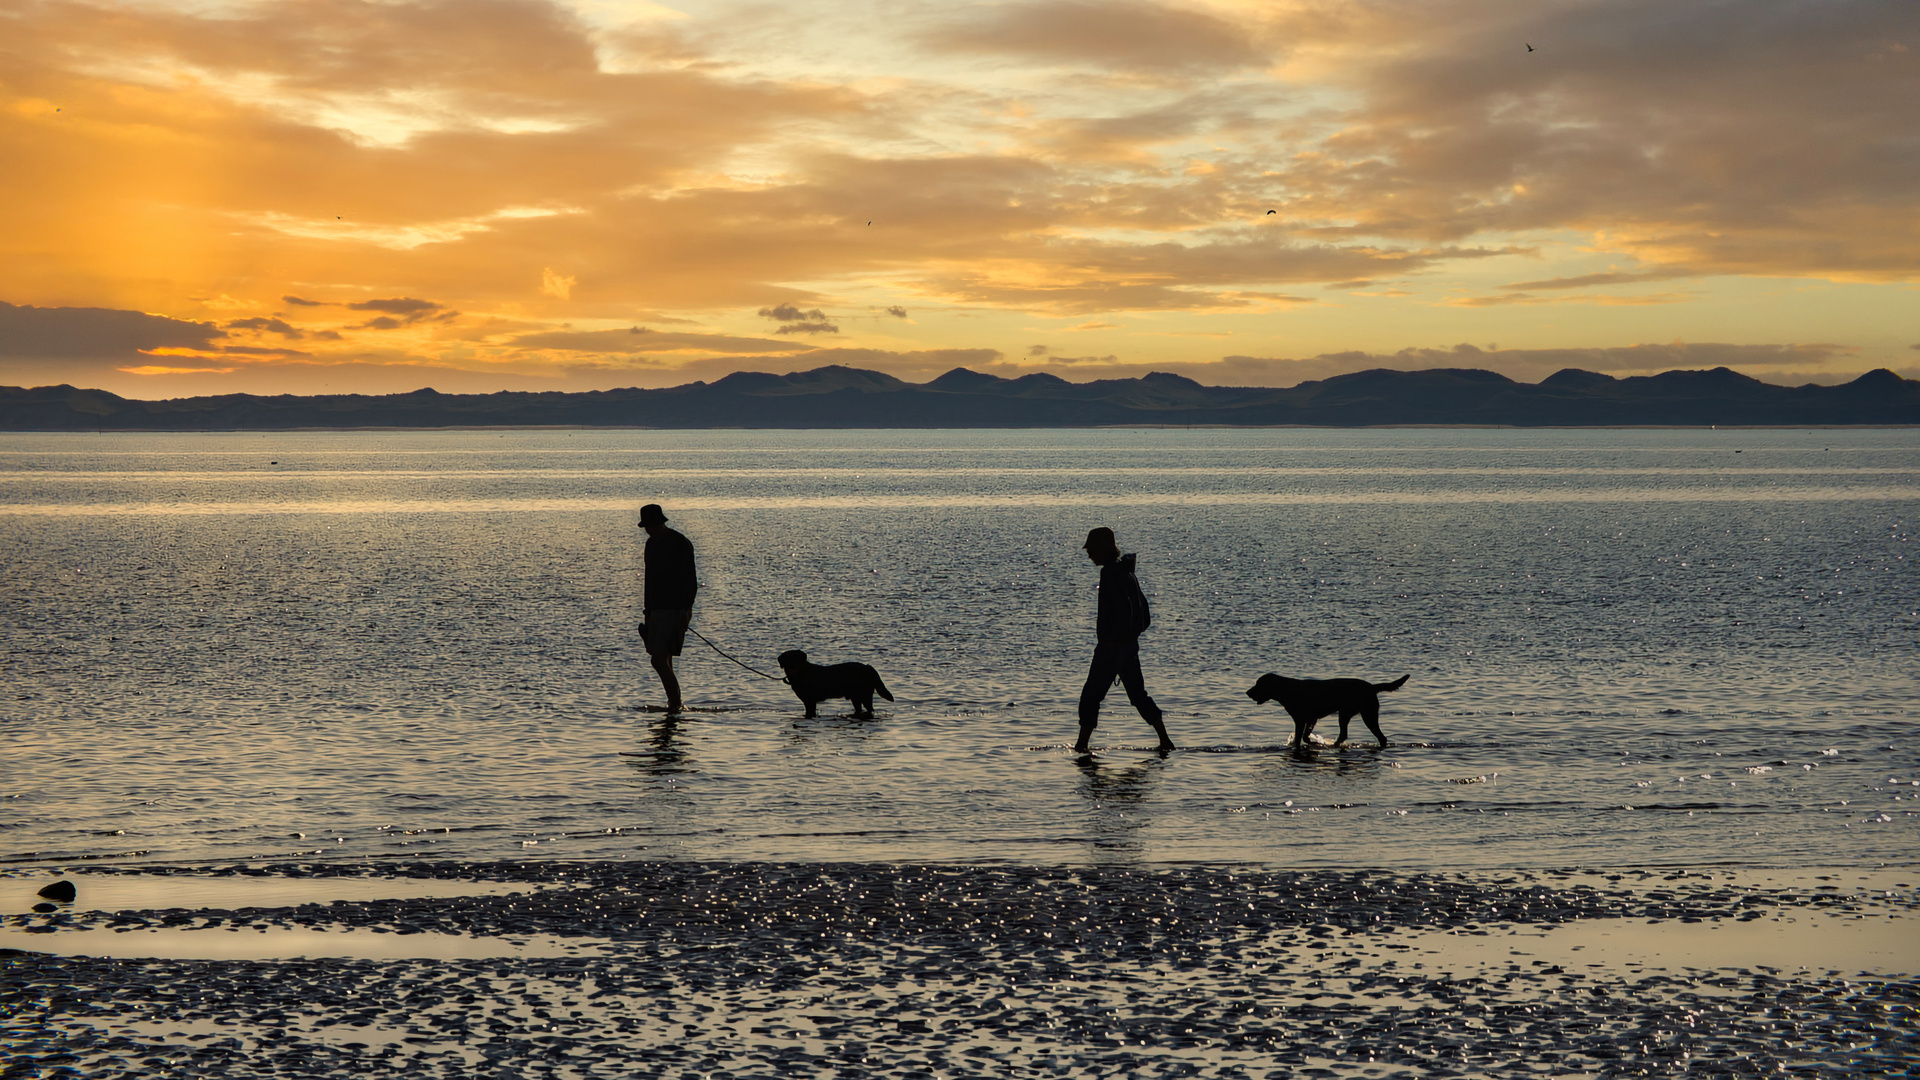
(687, 969)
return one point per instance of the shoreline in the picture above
(597, 900)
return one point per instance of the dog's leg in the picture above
(1372, 717)
(1345, 716)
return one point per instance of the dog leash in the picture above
(735, 659)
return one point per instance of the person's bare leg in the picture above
(663, 665)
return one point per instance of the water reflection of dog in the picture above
(1339, 764)
(813, 683)
(1307, 700)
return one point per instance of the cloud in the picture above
(789, 313)
(31, 331)
(405, 306)
(155, 369)
(250, 350)
(1121, 35)
(1611, 277)
(277, 326)
(1087, 276)
(1757, 138)
(897, 312)
(795, 321)
(401, 312)
(1532, 365)
(1604, 299)
(642, 339)
(555, 285)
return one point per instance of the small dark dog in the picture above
(1307, 700)
(814, 683)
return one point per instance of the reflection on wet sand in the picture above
(824, 969)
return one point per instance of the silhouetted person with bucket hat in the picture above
(668, 600)
(1123, 614)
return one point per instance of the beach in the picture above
(849, 970)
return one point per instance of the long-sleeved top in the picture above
(671, 579)
(1123, 610)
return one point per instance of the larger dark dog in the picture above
(814, 683)
(1307, 700)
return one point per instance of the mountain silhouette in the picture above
(845, 397)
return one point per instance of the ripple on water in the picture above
(392, 679)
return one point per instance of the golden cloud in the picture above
(154, 369)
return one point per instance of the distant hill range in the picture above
(841, 397)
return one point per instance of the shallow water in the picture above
(1654, 648)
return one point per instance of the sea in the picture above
(1624, 647)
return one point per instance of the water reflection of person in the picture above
(1123, 615)
(671, 583)
(1111, 791)
(664, 737)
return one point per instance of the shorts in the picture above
(667, 630)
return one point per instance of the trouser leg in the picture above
(1136, 686)
(1100, 675)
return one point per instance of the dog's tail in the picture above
(1379, 688)
(880, 687)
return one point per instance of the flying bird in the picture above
(1529, 47)
(1273, 211)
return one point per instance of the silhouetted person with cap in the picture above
(1123, 614)
(668, 600)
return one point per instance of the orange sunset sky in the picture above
(303, 196)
